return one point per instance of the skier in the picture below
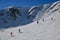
(43, 19)
(51, 18)
(19, 30)
(37, 21)
(11, 33)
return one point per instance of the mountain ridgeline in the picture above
(13, 16)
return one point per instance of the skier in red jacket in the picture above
(12, 34)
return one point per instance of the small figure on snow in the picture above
(43, 19)
(19, 31)
(37, 21)
(51, 18)
(11, 34)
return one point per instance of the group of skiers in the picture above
(43, 20)
(19, 30)
(12, 34)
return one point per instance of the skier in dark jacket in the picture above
(37, 21)
(51, 18)
(19, 30)
(43, 19)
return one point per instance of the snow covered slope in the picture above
(45, 30)
(48, 27)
